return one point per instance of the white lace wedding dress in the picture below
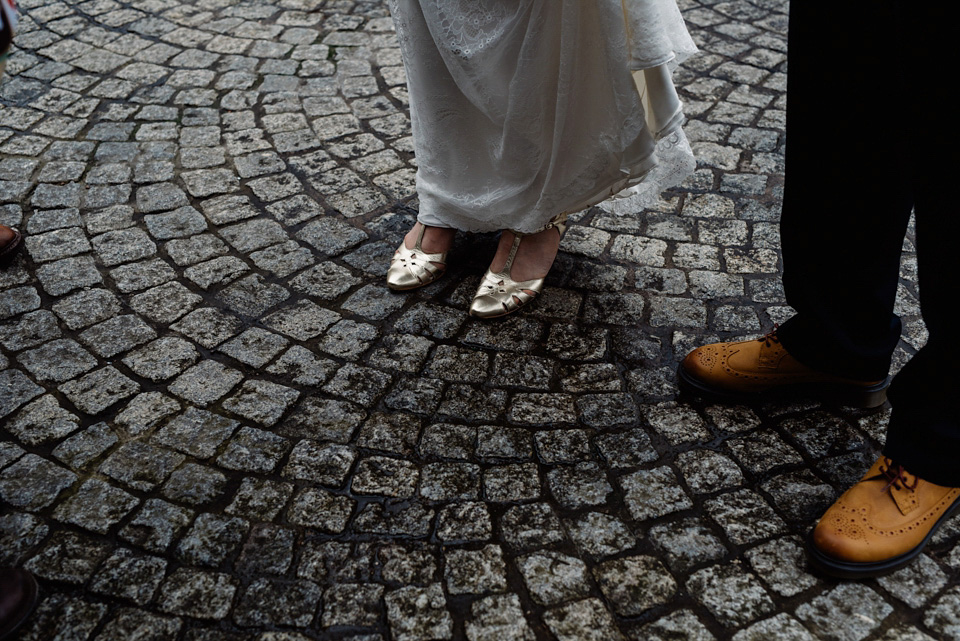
(524, 109)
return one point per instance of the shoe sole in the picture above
(864, 397)
(850, 570)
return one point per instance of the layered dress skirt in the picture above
(525, 109)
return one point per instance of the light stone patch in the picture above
(849, 612)
(99, 389)
(255, 347)
(86, 446)
(144, 412)
(475, 572)
(129, 576)
(97, 506)
(32, 483)
(41, 421)
(782, 626)
(586, 620)
(57, 361)
(553, 578)
(419, 614)
(733, 596)
(162, 359)
(653, 493)
(498, 618)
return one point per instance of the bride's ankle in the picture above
(534, 257)
(436, 240)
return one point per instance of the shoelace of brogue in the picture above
(770, 337)
(896, 475)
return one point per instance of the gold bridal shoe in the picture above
(412, 268)
(499, 294)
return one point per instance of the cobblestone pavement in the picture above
(218, 424)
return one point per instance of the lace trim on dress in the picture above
(675, 161)
(468, 27)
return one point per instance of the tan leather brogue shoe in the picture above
(755, 369)
(881, 523)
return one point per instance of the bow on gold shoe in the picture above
(499, 294)
(412, 268)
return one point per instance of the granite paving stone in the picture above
(208, 326)
(262, 402)
(586, 620)
(68, 557)
(259, 499)
(678, 625)
(219, 424)
(155, 525)
(302, 321)
(653, 493)
(733, 596)
(497, 618)
(197, 594)
(33, 482)
(59, 360)
(58, 278)
(268, 550)
(140, 465)
(87, 307)
(127, 575)
(165, 303)
(418, 613)
(129, 623)
(467, 521)
(635, 584)
(61, 616)
(205, 382)
(855, 605)
(321, 463)
(321, 510)
(274, 602)
(162, 359)
(96, 506)
(475, 572)
(41, 421)
(254, 347)
(211, 539)
(194, 484)
(31, 330)
(327, 419)
(744, 516)
(553, 578)
(253, 450)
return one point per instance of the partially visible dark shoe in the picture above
(10, 242)
(761, 368)
(880, 524)
(18, 597)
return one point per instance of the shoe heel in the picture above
(868, 397)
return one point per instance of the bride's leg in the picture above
(535, 255)
(436, 240)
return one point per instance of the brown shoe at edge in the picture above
(18, 597)
(756, 369)
(10, 242)
(881, 523)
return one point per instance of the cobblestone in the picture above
(219, 425)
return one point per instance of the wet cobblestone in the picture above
(219, 425)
